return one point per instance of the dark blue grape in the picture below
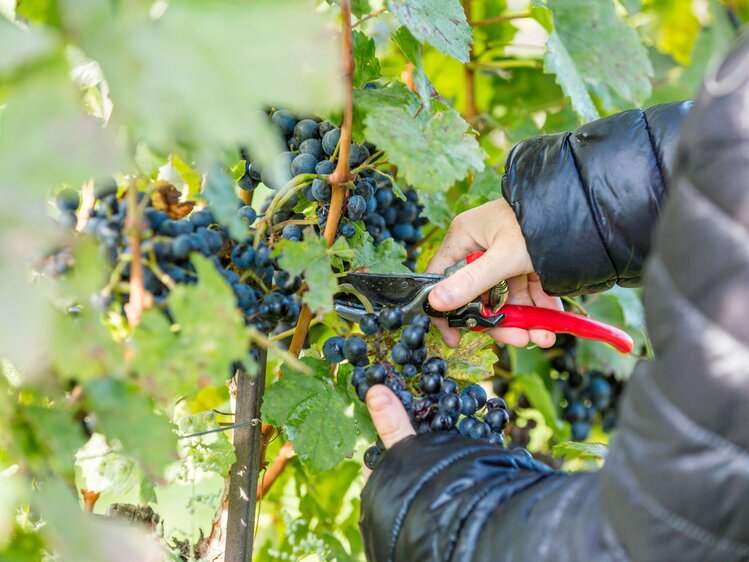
(305, 129)
(284, 121)
(204, 218)
(321, 190)
(466, 424)
(422, 321)
(369, 324)
(313, 147)
(430, 383)
(361, 390)
(496, 439)
(580, 431)
(376, 374)
(330, 141)
(497, 419)
(413, 337)
(324, 168)
(449, 385)
(68, 200)
(247, 213)
(468, 405)
(182, 246)
(496, 403)
(347, 230)
(600, 393)
(359, 375)
(303, 164)
(372, 457)
(450, 404)
(435, 365)
(359, 154)
(355, 349)
(332, 349)
(292, 232)
(480, 430)
(400, 354)
(476, 392)
(391, 318)
(574, 412)
(403, 231)
(409, 371)
(441, 422)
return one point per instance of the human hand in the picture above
(388, 415)
(494, 229)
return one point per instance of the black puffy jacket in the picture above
(675, 486)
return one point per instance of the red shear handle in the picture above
(535, 318)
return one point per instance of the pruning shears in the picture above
(410, 292)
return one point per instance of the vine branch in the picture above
(469, 72)
(369, 17)
(342, 174)
(135, 305)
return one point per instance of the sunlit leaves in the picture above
(572, 450)
(453, 150)
(440, 23)
(473, 361)
(387, 257)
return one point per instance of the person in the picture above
(576, 217)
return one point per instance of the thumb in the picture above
(471, 281)
(388, 414)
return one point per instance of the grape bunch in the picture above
(434, 401)
(265, 294)
(313, 148)
(586, 398)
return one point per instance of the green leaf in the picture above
(440, 23)
(632, 6)
(486, 186)
(387, 257)
(436, 209)
(128, 415)
(191, 178)
(317, 416)
(212, 452)
(539, 397)
(364, 426)
(310, 258)
(411, 48)
(210, 335)
(366, 65)
(593, 50)
(44, 12)
(572, 450)
(360, 8)
(474, 360)
(207, 70)
(453, 151)
(219, 191)
(367, 100)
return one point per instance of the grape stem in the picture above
(369, 17)
(134, 307)
(342, 174)
(498, 19)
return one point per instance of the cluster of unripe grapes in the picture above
(434, 401)
(313, 148)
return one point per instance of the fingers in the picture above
(388, 415)
(470, 281)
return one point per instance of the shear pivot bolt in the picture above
(471, 322)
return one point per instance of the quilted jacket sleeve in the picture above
(676, 483)
(587, 200)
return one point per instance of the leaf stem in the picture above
(505, 64)
(369, 17)
(469, 72)
(498, 19)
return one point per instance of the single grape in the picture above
(418, 355)
(284, 121)
(409, 371)
(468, 405)
(359, 376)
(450, 386)
(391, 318)
(330, 141)
(321, 190)
(496, 403)
(68, 200)
(475, 391)
(369, 324)
(450, 404)
(422, 321)
(303, 164)
(430, 383)
(247, 213)
(496, 439)
(305, 129)
(466, 424)
(361, 390)
(421, 409)
(292, 232)
(600, 393)
(376, 374)
(324, 168)
(574, 412)
(497, 419)
(400, 354)
(313, 147)
(332, 349)
(435, 365)
(480, 430)
(580, 431)
(372, 457)
(354, 349)
(359, 154)
(347, 230)
(441, 422)
(413, 337)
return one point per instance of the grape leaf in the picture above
(366, 65)
(219, 191)
(128, 415)
(212, 452)
(453, 151)
(410, 47)
(210, 336)
(23, 46)
(632, 6)
(473, 361)
(362, 419)
(573, 450)
(593, 49)
(207, 87)
(441, 23)
(436, 209)
(368, 99)
(387, 257)
(316, 415)
(360, 8)
(311, 258)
